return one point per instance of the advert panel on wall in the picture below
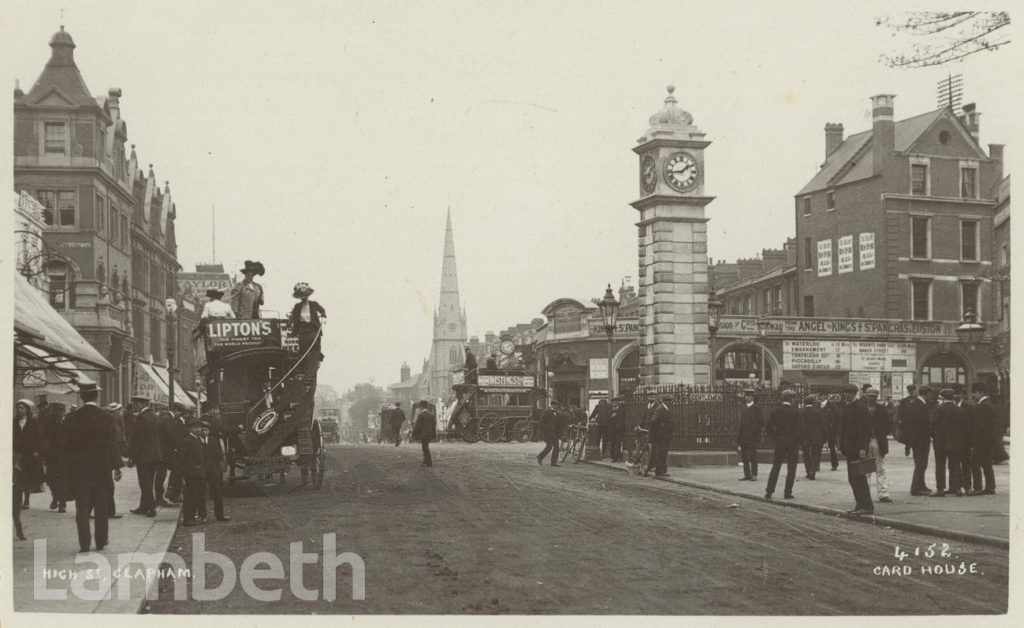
(816, 355)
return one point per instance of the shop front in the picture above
(820, 352)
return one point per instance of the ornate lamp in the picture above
(970, 330)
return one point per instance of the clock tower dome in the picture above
(673, 264)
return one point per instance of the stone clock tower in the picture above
(673, 267)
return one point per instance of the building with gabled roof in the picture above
(898, 224)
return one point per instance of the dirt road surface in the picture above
(509, 536)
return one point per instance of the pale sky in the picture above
(333, 136)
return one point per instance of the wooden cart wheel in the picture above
(522, 431)
(491, 428)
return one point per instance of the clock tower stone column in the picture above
(673, 263)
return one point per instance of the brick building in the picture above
(762, 285)
(109, 224)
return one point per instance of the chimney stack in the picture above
(972, 120)
(406, 373)
(995, 153)
(883, 132)
(114, 102)
(833, 137)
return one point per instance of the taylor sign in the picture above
(505, 381)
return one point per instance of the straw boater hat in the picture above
(214, 293)
(301, 289)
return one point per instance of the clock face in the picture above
(648, 174)
(507, 347)
(681, 171)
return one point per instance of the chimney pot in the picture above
(833, 138)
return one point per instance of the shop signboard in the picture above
(883, 356)
(816, 355)
(505, 381)
(624, 328)
(241, 334)
(598, 368)
(839, 328)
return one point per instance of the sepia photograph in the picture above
(602, 312)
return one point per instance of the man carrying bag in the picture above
(854, 442)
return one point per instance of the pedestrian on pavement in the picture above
(878, 447)
(121, 447)
(214, 307)
(247, 295)
(854, 442)
(550, 426)
(213, 470)
(616, 430)
(785, 429)
(901, 412)
(27, 442)
(88, 446)
(397, 419)
(307, 319)
(981, 429)
(1000, 423)
(660, 437)
(144, 454)
(813, 422)
(830, 410)
(966, 405)
(602, 414)
(52, 428)
(950, 435)
(748, 435)
(425, 430)
(917, 434)
(193, 469)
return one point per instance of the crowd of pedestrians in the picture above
(79, 454)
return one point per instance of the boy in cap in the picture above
(193, 468)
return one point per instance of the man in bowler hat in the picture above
(748, 435)
(784, 428)
(91, 457)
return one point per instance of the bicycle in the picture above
(574, 443)
(640, 450)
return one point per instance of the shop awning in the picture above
(38, 325)
(157, 389)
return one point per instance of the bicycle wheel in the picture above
(579, 445)
(645, 457)
(564, 445)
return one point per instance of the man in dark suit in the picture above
(550, 426)
(748, 434)
(425, 430)
(90, 457)
(981, 430)
(173, 430)
(660, 437)
(785, 430)
(470, 368)
(877, 415)
(397, 419)
(144, 453)
(213, 458)
(602, 414)
(813, 435)
(901, 410)
(855, 441)
(616, 430)
(950, 436)
(917, 435)
(193, 469)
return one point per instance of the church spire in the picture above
(448, 305)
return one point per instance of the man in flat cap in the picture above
(247, 295)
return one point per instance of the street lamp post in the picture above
(970, 330)
(715, 307)
(172, 308)
(763, 324)
(609, 307)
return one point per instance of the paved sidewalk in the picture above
(54, 534)
(984, 518)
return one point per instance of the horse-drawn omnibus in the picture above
(501, 405)
(261, 389)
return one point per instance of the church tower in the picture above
(673, 257)
(447, 351)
